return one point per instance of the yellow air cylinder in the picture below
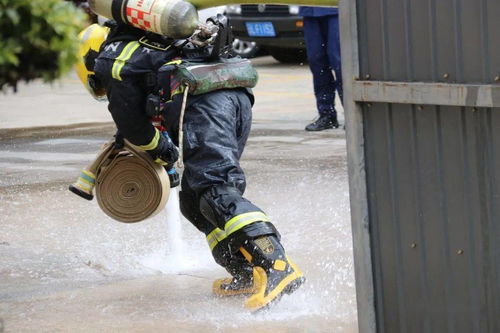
(172, 18)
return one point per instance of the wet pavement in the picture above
(67, 267)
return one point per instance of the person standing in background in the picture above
(321, 32)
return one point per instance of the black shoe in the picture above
(323, 123)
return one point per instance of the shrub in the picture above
(39, 39)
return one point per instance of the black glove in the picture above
(165, 152)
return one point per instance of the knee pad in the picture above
(220, 203)
(186, 203)
(189, 208)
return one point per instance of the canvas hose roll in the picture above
(130, 187)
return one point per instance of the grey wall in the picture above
(432, 172)
(422, 40)
(433, 179)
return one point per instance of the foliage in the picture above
(84, 5)
(39, 39)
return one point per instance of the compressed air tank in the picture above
(172, 18)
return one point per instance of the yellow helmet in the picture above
(91, 39)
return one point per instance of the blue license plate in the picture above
(260, 29)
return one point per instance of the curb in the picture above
(56, 131)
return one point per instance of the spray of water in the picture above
(175, 245)
(176, 256)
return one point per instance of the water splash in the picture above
(176, 256)
(175, 245)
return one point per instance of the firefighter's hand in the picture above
(162, 149)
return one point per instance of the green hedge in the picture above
(39, 39)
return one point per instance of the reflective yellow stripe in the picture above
(80, 179)
(88, 173)
(120, 61)
(160, 161)
(174, 62)
(84, 187)
(241, 225)
(217, 234)
(239, 221)
(154, 142)
(180, 89)
(236, 223)
(215, 237)
(244, 216)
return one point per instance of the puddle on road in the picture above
(70, 141)
(267, 139)
(66, 264)
(44, 156)
(29, 167)
(69, 240)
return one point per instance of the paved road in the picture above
(65, 266)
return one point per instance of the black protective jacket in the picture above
(123, 67)
(126, 67)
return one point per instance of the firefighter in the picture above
(216, 127)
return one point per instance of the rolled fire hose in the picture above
(130, 186)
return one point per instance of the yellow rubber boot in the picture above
(240, 270)
(241, 280)
(270, 285)
(274, 274)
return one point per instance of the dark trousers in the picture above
(323, 53)
(216, 128)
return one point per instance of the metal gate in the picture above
(422, 102)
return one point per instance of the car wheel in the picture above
(245, 49)
(290, 56)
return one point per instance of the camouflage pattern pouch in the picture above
(225, 74)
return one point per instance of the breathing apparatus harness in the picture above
(206, 63)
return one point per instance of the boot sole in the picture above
(289, 289)
(323, 128)
(294, 285)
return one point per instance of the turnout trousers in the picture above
(216, 129)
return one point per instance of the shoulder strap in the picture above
(122, 32)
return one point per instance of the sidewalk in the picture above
(45, 109)
(284, 94)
